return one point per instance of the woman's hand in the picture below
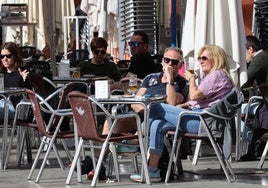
(24, 74)
(188, 75)
(184, 105)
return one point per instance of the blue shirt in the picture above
(153, 84)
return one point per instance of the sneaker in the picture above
(127, 149)
(154, 176)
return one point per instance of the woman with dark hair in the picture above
(11, 63)
(12, 53)
(98, 65)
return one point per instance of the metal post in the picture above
(173, 23)
(51, 35)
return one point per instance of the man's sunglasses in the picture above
(134, 43)
(99, 52)
(173, 61)
(6, 55)
(203, 58)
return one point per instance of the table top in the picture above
(82, 79)
(64, 79)
(18, 24)
(132, 98)
(12, 90)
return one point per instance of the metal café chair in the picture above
(84, 116)
(56, 99)
(215, 126)
(247, 122)
(50, 131)
(264, 93)
(47, 89)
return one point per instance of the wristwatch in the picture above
(171, 83)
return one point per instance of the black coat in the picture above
(214, 118)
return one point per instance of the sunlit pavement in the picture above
(205, 174)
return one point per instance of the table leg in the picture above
(5, 129)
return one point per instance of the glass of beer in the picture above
(75, 72)
(132, 85)
(189, 65)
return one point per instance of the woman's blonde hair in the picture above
(219, 57)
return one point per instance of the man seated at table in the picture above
(257, 74)
(142, 63)
(167, 82)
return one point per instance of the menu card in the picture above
(102, 89)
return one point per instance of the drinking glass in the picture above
(132, 86)
(75, 72)
(189, 65)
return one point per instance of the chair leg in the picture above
(263, 156)
(58, 156)
(196, 152)
(9, 145)
(51, 143)
(20, 146)
(66, 150)
(135, 164)
(110, 165)
(177, 159)
(173, 155)
(37, 157)
(92, 150)
(115, 162)
(28, 146)
(98, 167)
(223, 163)
(74, 163)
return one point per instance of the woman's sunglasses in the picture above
(99, 52)
(6, 55)
(203, 58)
(173, 61)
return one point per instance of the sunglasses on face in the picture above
(99, 52)
(6, 55)
(173, 61)
(134, 43)
(203, 58)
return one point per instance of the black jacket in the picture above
(142, 65)
(214, 118)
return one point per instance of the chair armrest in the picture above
(50, 82)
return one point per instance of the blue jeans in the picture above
(163, 118)
(11, 110)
